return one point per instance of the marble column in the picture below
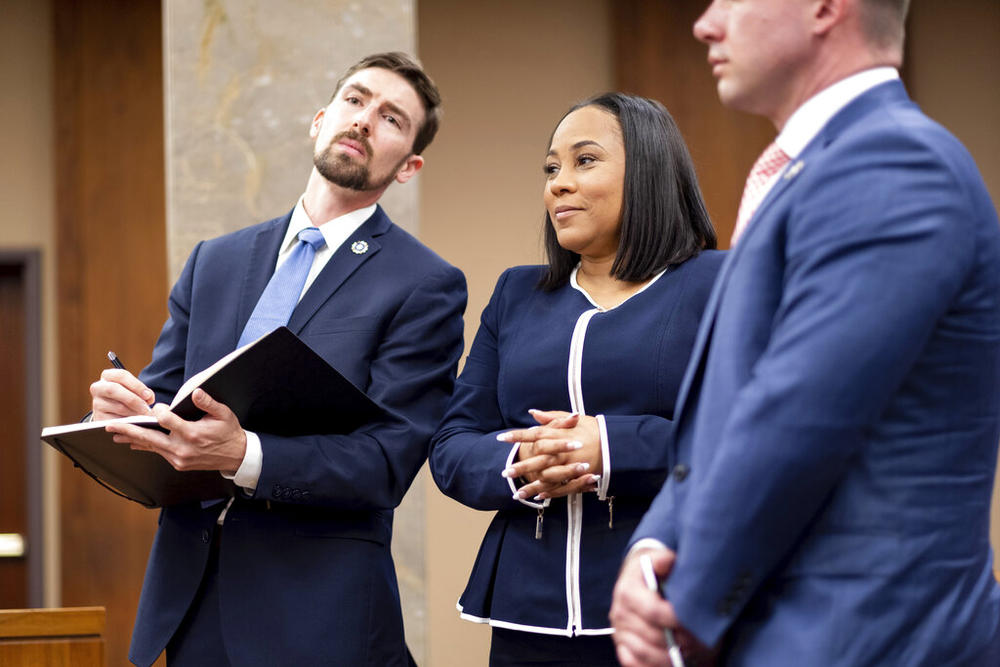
(243, 81)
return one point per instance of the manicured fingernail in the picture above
(532, 411)
(582, 467)
(574, 414)
(595, 479)
(540, 496)
(504, 437)
(575, 444)
(508, 473)
(520, 495)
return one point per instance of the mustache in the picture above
(354, 136)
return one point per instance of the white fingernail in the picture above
(575, 444)
(520, 495)
(582, 467)
(507, 473)
(503, 437)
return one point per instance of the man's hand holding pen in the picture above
(214, 442)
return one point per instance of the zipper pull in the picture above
(611, 512)
(538, 523)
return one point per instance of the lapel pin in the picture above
(359, 247)
(794, 170)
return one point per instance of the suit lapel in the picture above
(260, 266)
(360, 247)
(885, 93)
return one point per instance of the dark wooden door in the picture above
(13, 437)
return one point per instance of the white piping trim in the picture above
(538, 629)
(574, 370)
(513, 489)
(574, 509)
(602, 486)
(576, 285)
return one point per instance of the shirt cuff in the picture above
(513, 487)
(248, 474)
(602, 486)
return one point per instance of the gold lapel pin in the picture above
(359, 247)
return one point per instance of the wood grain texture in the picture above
(656, 55)
(51, 623)
(111, 260)
(13, 404)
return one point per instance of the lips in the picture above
(353, 143)
(562, 212)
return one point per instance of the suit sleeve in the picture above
(640, 454)
(412, 375)
(867, 276)
(466, 458)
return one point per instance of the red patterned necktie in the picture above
(770, 162)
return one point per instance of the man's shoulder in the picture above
(408, 253)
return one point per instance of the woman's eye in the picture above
(550, 169)
(586, 159)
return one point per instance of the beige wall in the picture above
(507, 71)
(27, 204)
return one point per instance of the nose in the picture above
(561, 182)
(363, 120)
(707, 28)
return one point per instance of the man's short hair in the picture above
(883, 21)
(409, 69)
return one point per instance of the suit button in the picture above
(206, 536)
(681, 472)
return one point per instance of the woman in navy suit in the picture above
(561, 419)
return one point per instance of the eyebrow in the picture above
(394, 108)
(580, 144)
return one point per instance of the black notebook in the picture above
(276, 384)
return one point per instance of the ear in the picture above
(410, 167)
(828, 13)
(317, 123)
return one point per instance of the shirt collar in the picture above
(331, 229)
(809, 119)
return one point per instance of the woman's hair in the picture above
(664, 221)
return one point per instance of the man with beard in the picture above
(296, 569)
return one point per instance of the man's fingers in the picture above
(130, 382)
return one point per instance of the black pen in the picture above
(115, 361)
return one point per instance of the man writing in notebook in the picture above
(837, 427)
(296, 569)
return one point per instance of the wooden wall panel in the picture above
(656, 55)
(111, 253)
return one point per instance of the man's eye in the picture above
(392, 119)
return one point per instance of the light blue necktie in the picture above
(283, 290)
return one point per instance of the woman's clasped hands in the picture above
(560, 456)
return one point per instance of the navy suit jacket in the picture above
(305, 571)
(840, 412)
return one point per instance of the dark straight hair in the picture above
(664, 220)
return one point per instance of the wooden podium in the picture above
(71, 637)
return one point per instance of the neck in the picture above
(830, 66)
(325, 201)
(597, 269)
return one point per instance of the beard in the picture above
(341, 169)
